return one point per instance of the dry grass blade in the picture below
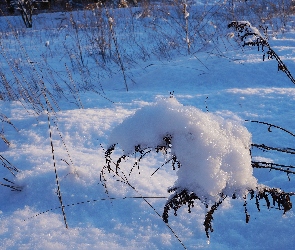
(5, 163)
(11, 185)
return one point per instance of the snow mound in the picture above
(214, 153)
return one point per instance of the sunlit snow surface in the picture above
(234, 85)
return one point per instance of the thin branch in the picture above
(265, 147)
(96, 200)
(271, 125)
(273, 166)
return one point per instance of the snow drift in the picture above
(214, 153)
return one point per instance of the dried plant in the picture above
(114, 38)
(250, 36)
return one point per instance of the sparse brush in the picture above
(273, 13)
(250, 36)
(41, 99)
(76, 34)
(74, 89)
(114, 38)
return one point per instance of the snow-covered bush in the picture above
(214, 153)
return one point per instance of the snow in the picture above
(214, 153)
(216, 89)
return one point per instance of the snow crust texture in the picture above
(214, 152)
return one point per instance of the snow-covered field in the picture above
(74, 96)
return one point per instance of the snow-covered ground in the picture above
(220, 85)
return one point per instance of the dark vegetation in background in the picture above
(10, 7)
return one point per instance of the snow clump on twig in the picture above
(214, 152)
